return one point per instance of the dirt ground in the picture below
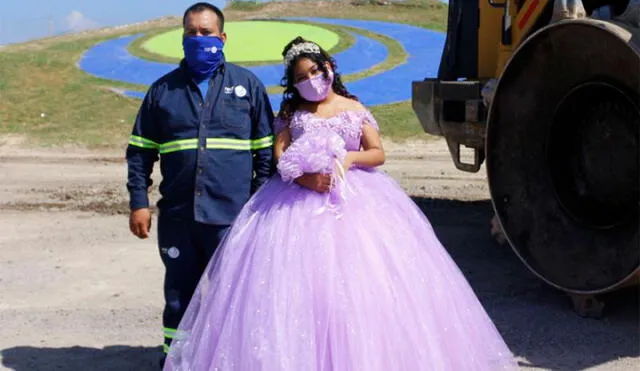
(78, 292)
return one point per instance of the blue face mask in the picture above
(203, 55)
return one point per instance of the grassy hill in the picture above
(48, 100)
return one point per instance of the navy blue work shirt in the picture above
(215, 150)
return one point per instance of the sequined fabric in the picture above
(291, 289)
(316, 151)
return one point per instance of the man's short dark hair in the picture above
(201, 7)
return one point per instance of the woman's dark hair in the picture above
(291, 98)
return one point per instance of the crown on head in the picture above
(302, 48)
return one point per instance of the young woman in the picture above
(332, 270)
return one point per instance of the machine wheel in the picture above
(563, 155)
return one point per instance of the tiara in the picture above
(297, 49)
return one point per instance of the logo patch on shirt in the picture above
(228, 89)
(240, 91)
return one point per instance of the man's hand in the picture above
(140, 222)
(316, 182)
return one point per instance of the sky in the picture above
(22, 20)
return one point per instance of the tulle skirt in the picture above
(353, 280)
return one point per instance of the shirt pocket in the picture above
(236, 115)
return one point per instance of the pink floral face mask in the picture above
(315, 89)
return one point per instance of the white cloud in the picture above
(76, 21)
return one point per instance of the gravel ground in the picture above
(80, 293)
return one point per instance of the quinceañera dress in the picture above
(351, 280)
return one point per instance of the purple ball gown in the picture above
(352, 280)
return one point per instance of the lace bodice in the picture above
(347, 124)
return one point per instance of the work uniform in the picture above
(215, 143)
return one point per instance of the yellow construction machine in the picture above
(550, 97)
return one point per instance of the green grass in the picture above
(397, 121)
(79, 109)
(245, 5)
(345, 40)
(46, 97)
(136, 48)
(430, 14)
(254, 41)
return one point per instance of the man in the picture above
(210, 122)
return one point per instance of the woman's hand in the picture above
(349, 160)
(320, 183)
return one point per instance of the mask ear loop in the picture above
(330, 75)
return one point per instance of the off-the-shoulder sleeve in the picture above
(368, 119)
